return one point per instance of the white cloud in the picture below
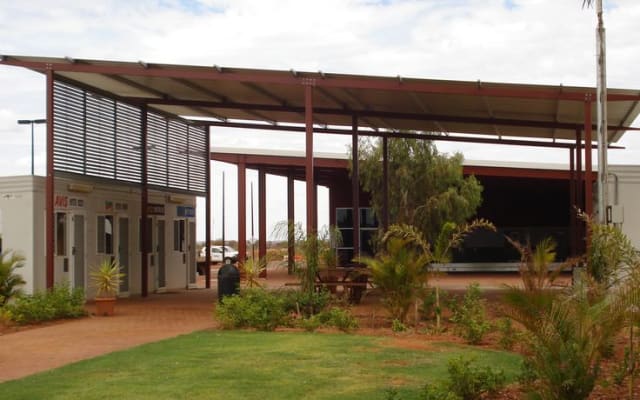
(528, 41)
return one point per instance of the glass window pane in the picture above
(61, 234)
(344, 217)
(101, 234)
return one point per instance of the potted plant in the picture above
(105, 278)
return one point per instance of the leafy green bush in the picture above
(339, 318)
(306, 303)
(471, 382)
(466, 382)
(397, 326)
(334, 317)
(60, 302)
(253, 308)
(437, 392)
(430, 308)
(470, 316)
(508, 334)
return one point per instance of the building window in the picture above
(178, 235)
(61, 234)
(105, 234)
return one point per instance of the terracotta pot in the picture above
(105, 306)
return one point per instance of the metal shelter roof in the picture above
(274, 98)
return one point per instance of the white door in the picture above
(79, 276)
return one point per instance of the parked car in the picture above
(230, 255)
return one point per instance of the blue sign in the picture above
(186, 211)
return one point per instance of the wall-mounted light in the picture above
(79, 188)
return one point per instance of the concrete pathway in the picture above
(137, 321)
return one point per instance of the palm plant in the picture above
(10, 281)
(401, 270)
(567, 334)
(106, 277)
(252, 269)
(535, 264)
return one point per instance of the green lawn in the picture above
(252, 365)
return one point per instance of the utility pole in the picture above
(603, 188)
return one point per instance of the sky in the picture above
(517, 41)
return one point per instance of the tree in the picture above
(426, 188)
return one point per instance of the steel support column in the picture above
(355, 187)
(207, 213)
(579, 193)
(588, 182)
(262, 218)
(49, 188)
(291, 249)
(572, 203)
(242, 211)
(309, 170)
(385, 183)
(144, 205)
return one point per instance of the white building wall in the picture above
(22, 204)
(628, 198)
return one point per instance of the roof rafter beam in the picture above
(351, 82)
(379, 114)
(361, 104)
(219, 97)
(344, 106)
(277, 99)
(426, 109)
(424, 136)
(155, 92)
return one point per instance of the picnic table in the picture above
(352, 279)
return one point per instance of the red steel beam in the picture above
(370, 113)
(320, 80)
(262, 218)
(425, 136)
(572, 205)
(385, 182)
(242, 211)
(49, 188)
(285, 161)
(355, 187)
(207, 213)
(311, 209)
(588, 184)
(291, 252)
(144, 202)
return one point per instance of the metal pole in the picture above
(603, 187)
(32, 148)
(253, 238)
(32, 122)
(223, 244)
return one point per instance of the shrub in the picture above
(253, 308)
(306, 303)
(471, 382)
(397, 326)
(60, 302)
(508, 334)
(437, 392)
(470, 316)
(339, 318)
(466, 382)
(334, 317)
